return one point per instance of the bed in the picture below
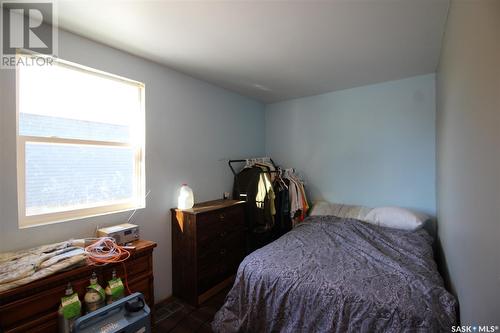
(333, 274)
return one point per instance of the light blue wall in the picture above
(372, 145)
(190, 126)
(468, 163)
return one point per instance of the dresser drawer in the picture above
(214, 226)
(46, 303)
(220, 260)
(212, 276)
(142, 285)
(24, 310)
(45, 324)
(134, 267)
(229, 247)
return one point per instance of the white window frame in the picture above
(138, 202)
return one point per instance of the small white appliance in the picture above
(122, 233)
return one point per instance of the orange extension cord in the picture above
(105, 251)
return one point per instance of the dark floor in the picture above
(178, 317)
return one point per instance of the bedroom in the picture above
(382, 103)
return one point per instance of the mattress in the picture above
(339, 275)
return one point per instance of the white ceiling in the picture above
(271, 51)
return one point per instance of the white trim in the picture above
(140, 158)
(65, 63)
(62, 141)
(137, 202)
(20, 156)
(76, 214)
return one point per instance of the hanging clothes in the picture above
(283, 220)
(276, 200)
(297, 196)
(253, 185)
(266, 189)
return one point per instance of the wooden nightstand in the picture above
(208, 244)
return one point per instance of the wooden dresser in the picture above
(208, 244)
(33, 307)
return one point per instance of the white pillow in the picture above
(396, 217)
(339, 210)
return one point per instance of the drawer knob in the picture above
(223, 234)
(222, 217)
(223, 251)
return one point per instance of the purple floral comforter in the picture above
(339, 275)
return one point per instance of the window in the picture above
(80, 143)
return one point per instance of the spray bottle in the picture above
(94, 297)
(69, 310)
(114, 290)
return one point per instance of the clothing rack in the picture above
(275, 198)
(230, 162)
